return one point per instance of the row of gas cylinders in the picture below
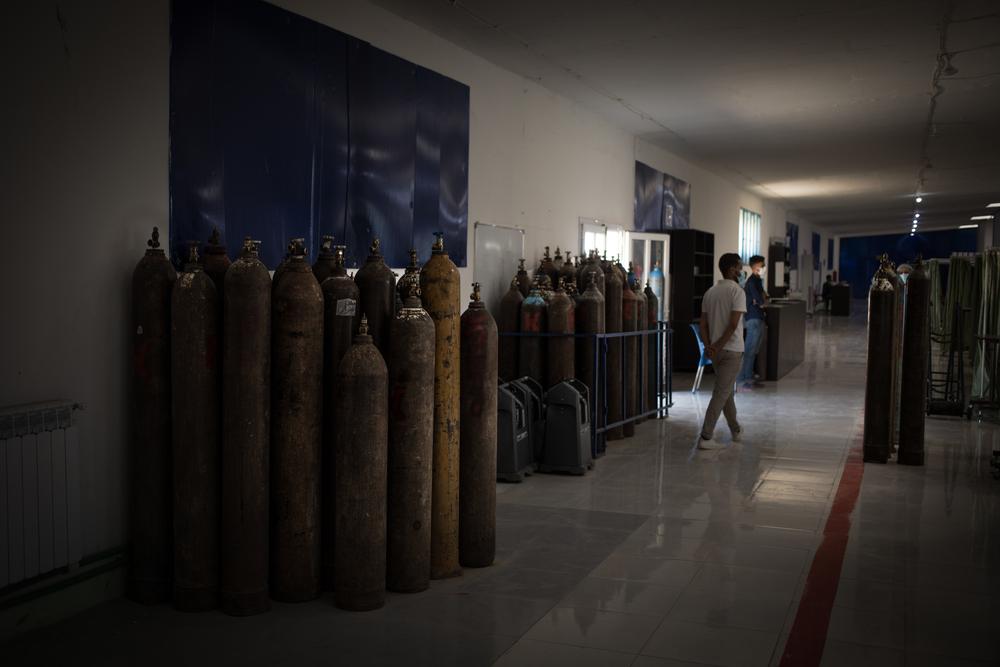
(307, 433)
(596, 296)
(898, 363)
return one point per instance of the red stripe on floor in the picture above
(812, 620)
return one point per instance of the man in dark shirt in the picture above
(827, 292)
(754, 324)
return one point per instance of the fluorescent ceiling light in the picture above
(968, 226)
(981, 217)
(995, 204)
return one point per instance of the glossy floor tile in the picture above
(663, 556)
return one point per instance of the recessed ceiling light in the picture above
(911, 233)
(981, 217)
(968, 226)
(919, 199)
(916, 215)
(995, 204)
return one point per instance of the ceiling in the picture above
(821, 105)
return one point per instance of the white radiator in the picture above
(39, 490)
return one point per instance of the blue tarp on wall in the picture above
(281, 127)
(858, 254)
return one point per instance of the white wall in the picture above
(85, 172)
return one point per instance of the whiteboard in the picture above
(497, 251)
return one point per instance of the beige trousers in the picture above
(727, 367)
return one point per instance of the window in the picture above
(749, 234)
(605, 238)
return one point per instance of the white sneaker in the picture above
(738, 434)
(709, 444)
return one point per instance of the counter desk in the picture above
(784, 344)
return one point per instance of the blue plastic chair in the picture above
(702, 361)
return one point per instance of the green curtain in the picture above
(988, 320)
(963, 290)
(937, 297)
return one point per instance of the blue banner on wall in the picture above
(859, 254)
(281, 127)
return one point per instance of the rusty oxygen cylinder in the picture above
(151, 527)
(547, 268)
(439, 289)
(590, 268)
(246, 409)
(561, 349)
(878, 383)
(897, 353)
(652, 349)
(341, 319)
(567, 272)
(280, 269)
(641, 358)
(510, 322)
(613, 301)
(477, 502)
(410, 279)
(361, 452)
(630, 320)
(916, 349)
(411, 446)
(377, 285)
(194, 316)
(531, 351)
(523, 280)
(296, 430)
(216, 262)
(326, 261)
(590, 320)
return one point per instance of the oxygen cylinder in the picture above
(296, 431)
(630, 320)
(410, 279)
(561, 349)
(377, 285)
(534, 319)
(440, 293)
(658, 283)
(613, 301)
(547, 268)
(341, 319)
(246, 400)
(897, 352)
(523, 280)
(194, 317)
(411, 446)
(510, 322)
(567, 272)
(361, 453)
(478, 488)
(653, 356)
(916, 348)
(878, 383)
(151, 526)
(641, 359)
(591, 267)
(590, 320)
(216, 262)
(280, 269)
(325, 262)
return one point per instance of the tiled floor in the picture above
(663, 556)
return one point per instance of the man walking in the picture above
(754, 324)
(721, 326)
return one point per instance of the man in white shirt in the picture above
(722, 310)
